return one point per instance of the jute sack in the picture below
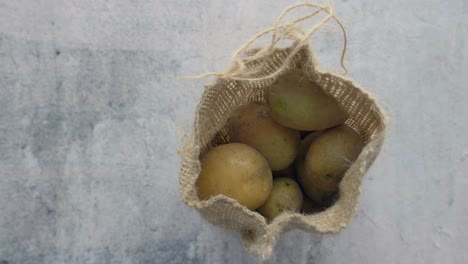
(247, 80)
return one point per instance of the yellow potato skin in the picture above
(252, 124)
(237, 171)
(330, 155)
(304, 146)
(286, 195)
(299, 103)
(318, 196)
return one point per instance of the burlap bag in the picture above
(246, 81)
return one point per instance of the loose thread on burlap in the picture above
(280, 31)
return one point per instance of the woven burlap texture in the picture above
(224, 95)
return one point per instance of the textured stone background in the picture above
(91, 100)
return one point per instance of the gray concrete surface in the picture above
(91, 101)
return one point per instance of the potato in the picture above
(252, 124)
(237, 171)
(310, 207)
(318, 196)
(330, 155)
(286, 195)
(302, 152)
(298, 102)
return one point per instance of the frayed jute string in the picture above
(291, 31)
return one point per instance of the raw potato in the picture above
(318, 196)
(330, 155)
(302, 152)
(237, 171)
(286, 195)
(252, 125)
(299, 103)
